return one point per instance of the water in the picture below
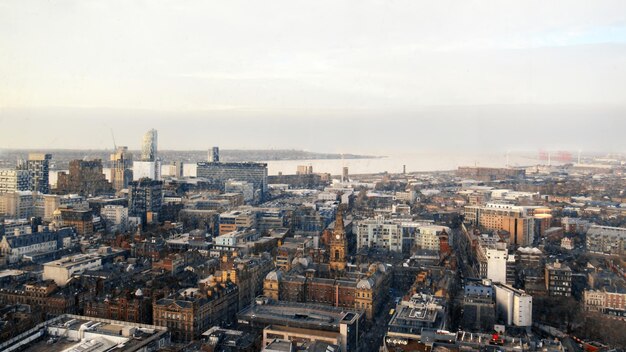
(414, 162)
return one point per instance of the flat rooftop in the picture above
(300, 315)
(62, 335)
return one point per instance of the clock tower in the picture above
(338, 245)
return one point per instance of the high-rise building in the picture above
(255, 173)
(121, 168)
(38, 165)
(558, 278)
(304, 170)
(515, 307)
(12, 180)
(214, 155)
(513, 219)
(149, 146)
(345, 175)
(85, 178)
(145, 199)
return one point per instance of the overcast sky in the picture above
(348, 76)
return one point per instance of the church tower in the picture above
(338, 245)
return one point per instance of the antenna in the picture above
(113, 136)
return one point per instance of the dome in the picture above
(57, 212)
(365, 284)
(273, 275)
(138, 293)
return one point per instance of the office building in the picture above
(61, 271)
(115, 217)
(18, 204)
(145, 199)
(304, 170)
(558, 277)
(254, 173)
(80, 219)
(146, 169)
(85, 178)
(121, 168)
(149, 146)
(12, 180)
(214, 155)
(243, 187)
(492, 257)
(514, 307)
(506, 217)
(38, 166)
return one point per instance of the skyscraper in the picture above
(121, 168)
(149, 146)
(214, 155)
(38, 166)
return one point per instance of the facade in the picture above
(606, 239)
(52, 202)
(193, 311)
(18, 204)
(492, 257)
(115, 216)
(134, 309)
(80, 219)
(121, 168)
(15, 247)
(558, 278)
(61, 271)
(236, 220)
(38, 166)
(146, 169)
(145, 199)
(489, 173)
(506, 217)
(12, 180)
(149, 146)
(254, 173)
(603, 301)
(514, 307)
(85, 178)
(398, 236)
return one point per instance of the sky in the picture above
(352, 76)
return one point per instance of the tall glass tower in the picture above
(149, 146)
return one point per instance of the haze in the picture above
(328, 76)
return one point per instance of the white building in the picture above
(116, 217)
(12, 180)
(514, 306)
(146, 169)
(395, 235)
(379, 233)
(492, 257)
(63, 269)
